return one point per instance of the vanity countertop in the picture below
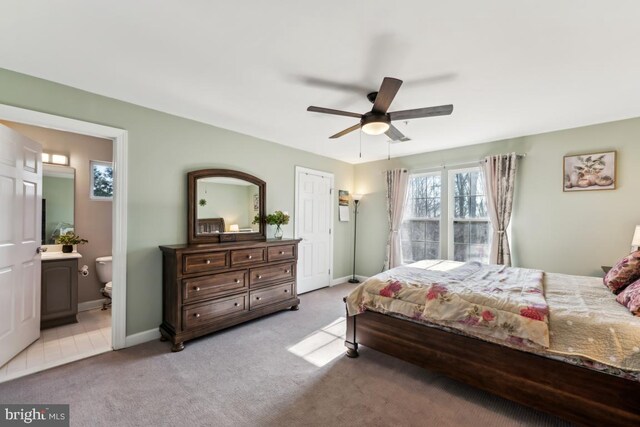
(52, 256)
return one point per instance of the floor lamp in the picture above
(356, 199)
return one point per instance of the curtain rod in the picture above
(444, 166)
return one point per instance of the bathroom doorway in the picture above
(79, 198)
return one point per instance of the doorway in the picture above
(116, 324)
(314, 224)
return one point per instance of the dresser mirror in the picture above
(222, 206)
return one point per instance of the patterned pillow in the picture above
(626, 271)
(630, 297)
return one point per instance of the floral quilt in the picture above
(500, 303)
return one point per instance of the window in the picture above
(469, 225)
(420, 232)
(101, 180)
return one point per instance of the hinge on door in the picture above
(329, 231)
(329, 271)
(331, 191)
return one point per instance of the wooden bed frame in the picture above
(579, 395)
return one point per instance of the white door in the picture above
(20, 228)
(313, 226)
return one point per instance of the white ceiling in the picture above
(511, 68)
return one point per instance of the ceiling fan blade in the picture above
(346, 131)
(395, 135)
(388, 90)
(441, 110)
(334, 112)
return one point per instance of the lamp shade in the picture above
(234, 228)
(636, 237)
(356, 197)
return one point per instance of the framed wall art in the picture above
(587, 172)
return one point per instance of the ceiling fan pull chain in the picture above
(389, 150)
(360, 142)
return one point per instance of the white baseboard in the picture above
(344, 279)
(90, 305)
(142, 337)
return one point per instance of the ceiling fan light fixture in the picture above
(375, 128)
(374, 124)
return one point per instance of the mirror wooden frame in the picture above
(192, 199)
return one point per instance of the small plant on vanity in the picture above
(68, 240)
(278, 218)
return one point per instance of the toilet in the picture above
(103, 269)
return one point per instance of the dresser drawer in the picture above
(215, 284)
(270, 295)
(209, 261)
(270, 273)
(277, 253)
(247, 256)
(198, 314)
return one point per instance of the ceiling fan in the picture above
(378, 120)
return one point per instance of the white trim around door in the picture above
(303, 170)
(119, 250)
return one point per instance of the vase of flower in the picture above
(278, 218)
(278, 233)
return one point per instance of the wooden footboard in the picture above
(579, 395)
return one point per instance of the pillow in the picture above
(626, 271)
(630, 297)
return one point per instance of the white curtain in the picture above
(500, 178)
(397, 181)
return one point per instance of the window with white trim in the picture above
(101, 180)
(420, 232)
(469, 224)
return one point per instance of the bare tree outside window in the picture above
(471, 225)
(420, 232)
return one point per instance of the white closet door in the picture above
(313, 225)
(20, 237)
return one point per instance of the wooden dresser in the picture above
(208, 287)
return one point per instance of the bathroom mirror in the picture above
(222, 206)
(58, 201)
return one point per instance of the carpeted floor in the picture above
(254, 375)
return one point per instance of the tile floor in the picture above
(64, 344)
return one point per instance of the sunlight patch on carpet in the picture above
(323, 345)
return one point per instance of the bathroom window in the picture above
(101, 180)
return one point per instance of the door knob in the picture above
(40, 249)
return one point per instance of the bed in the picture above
(585, 369)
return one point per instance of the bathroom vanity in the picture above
(59, 298)
(222, 278)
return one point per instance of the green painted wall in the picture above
(573, 233)
(162, 149)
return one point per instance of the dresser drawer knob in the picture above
(258, 298)
(196, 315)
(249, 256)
(281, 252)
(196, 288)
(236, 304)
(286, 291)
(259, 276)
(237, 280)
(287, 271)
(208, 261)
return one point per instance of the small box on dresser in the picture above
(208, 287)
